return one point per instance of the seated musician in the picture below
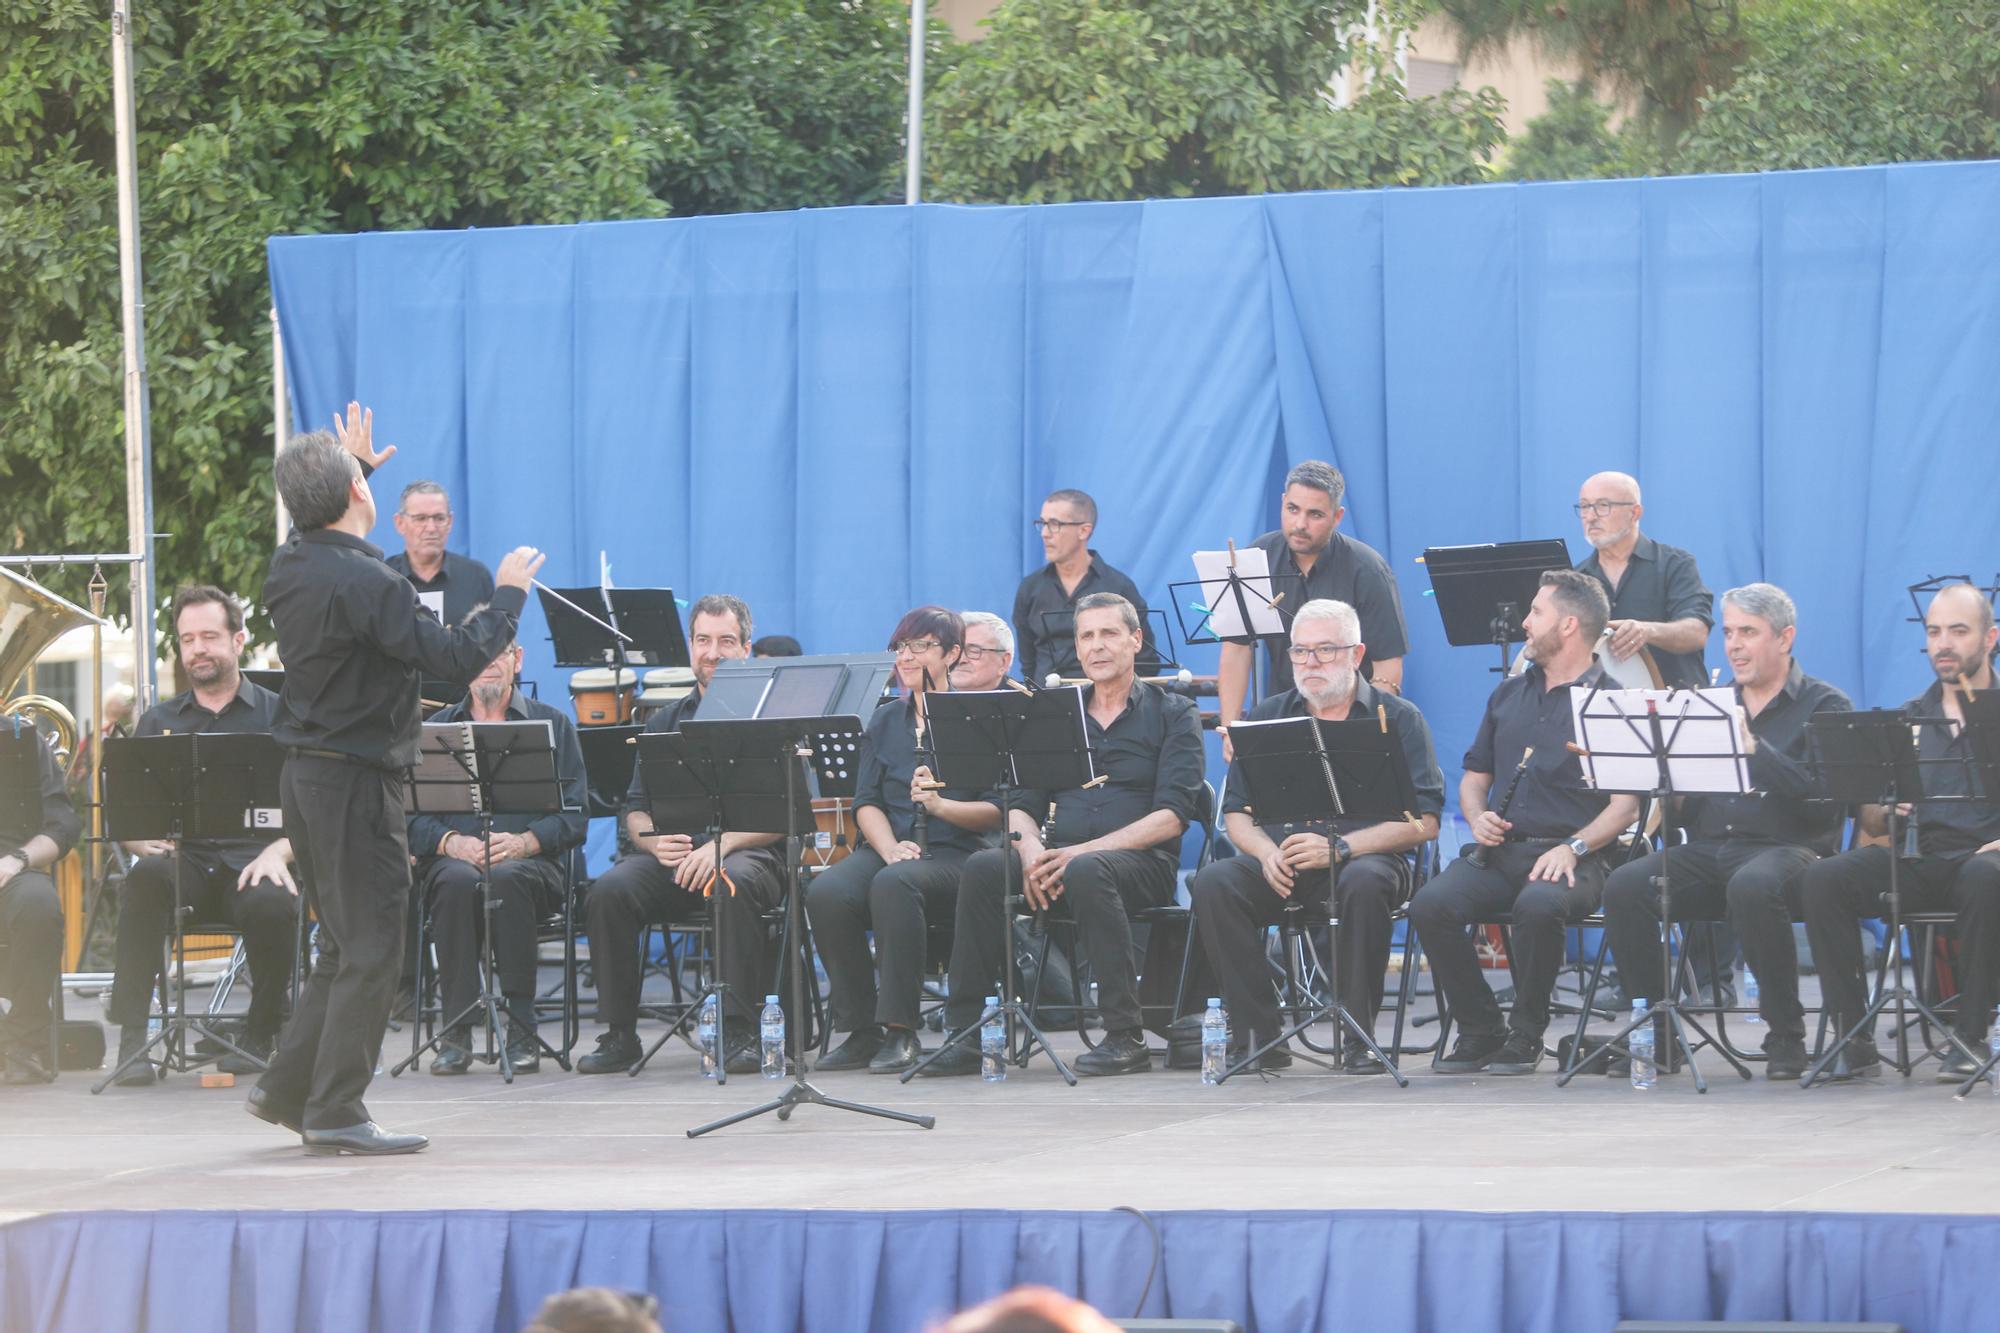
(1957, 866)
(523, 866)
(1236, 899)
(899, 878)
(1545, 860)
(989, 652)
(1111, 847)
(666, 877)
(1744, 854)
(31, 922)
(246, 882)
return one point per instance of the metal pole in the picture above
(138, 421)
(281, 429)
(913, 170)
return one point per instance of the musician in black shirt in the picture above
(355, 642)
(1045, 603)
(899, 877)
(1958, 844)
(1237, 898)
(1658, 601)
(524, 870)
(1110, 847)
(1545, 860)
(31, 915)
(667, 873)
(450, 584)
(1745, 854)
(246, 882)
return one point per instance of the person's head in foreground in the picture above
(1029, 1310)
(597, 1310)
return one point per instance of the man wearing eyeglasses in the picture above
(448, 584)
(1237, 898)
(1045, 603)
(1658, 600)
(989, 651)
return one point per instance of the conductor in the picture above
(355, 642)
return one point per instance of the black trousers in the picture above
(1753, 885)
(523, 893)
(1234, 904)
(345, 821)
(31, 926)
(1100, 888)
(1842, 891)
(898, 902)
(266, 914)
(638, 891)
(1464, 893)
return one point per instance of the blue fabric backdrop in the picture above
(859, 1272)
(841, 414)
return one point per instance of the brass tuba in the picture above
(32, 618)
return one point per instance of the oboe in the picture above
(1478, 854)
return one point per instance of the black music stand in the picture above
(1982, 729)
(614, 627)
(1661, 744)
(1007, 741)
(1871, 758)
(1483, 592)
(484, 769)
(1310, 771)
(754, 779)
(608, 763)
(176, 788)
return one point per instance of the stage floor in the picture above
(1160, 1141)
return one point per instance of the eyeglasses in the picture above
(1318, 652)
(973, 652)
(1055, 524)
(426, 520)
(914, 647)
(1601, 508)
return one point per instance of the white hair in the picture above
(1345, 623)
(1002, 632)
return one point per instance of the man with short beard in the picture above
(1958, 843)
(1657, 598)
(1545, 864)
(1364, 862)
(523, 863)
(246, 882)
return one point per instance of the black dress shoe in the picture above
(1357, 1059)
(256, 1057)
(1860, 1059)
(452, 1059)
(1520, 1054)
(261, 1104)
(616, 1052)
(142, 1073)
(27, 1065)
(954, 1060)
(1784, 1059)
(1271, 1061)
(366, 1139)
(1472, 1052)
(900, 1050)
(524, 1051)
(1119, 1053)
(854, 1053)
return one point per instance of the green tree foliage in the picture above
(320, 115)
(1572, 140)
(1123, 99)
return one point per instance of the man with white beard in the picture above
(1363, 861)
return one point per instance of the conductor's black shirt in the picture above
(1413, 734)
(1661, 583)
(58, 821)
(557, 833)
(1151, 757)
(1552, 800)
(1949, 828)
(1788, 805)
(355, 644)
(251, 711)
(1346, 571)
(1045, 618)
(889, 760)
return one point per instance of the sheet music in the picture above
(1219, 599)
(433, 602)
(1706, 730)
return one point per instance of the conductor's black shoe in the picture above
(524, 1051)
(1957, 1066)
(1358, 1059)
(1472, 1052)
(366, 1139)
(1120, 1053)
(900, 1050)
(454, 1056)
(1521, 1054)
(1784, 1059)
(740, 1040)
(28, 1065)
(952, 1060)
(261, 1104)
(617, 1051)
(855, 1052)
(256, 1057)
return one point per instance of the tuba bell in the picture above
(31, 619)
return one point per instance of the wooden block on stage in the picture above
(213, 1079)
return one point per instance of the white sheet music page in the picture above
(1223, 614)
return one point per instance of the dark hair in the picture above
(1078, 500)
(1098, 601)
(722, 604)
(946, 626)
(777, 645)
(312, 475)
(201, 594)
(1578, 594)
(1320, 477)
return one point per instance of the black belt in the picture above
(309, 752)
(1527, 841)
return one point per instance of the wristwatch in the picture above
(1342, 853)
(1578, 846)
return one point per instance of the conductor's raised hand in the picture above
(356, 433)
(518, 567)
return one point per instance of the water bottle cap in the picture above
(993, 999)
(1638, 1006)
(1214, 1003)
(770, 999)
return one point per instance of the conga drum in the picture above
(602, 696)
(663, 686)
(834, 832)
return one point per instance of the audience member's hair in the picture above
(1029, 1310)
(777, 645)
(422, 486)
(597, 1310)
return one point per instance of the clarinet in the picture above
(920, 822)
(1478, 854)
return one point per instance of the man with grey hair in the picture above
(1745, 854)
(988, 652)
(355, 644)
(1363, 863)
(1045, 603)
(1312, 560)
(447, 583)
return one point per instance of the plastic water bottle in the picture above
(1645, 1070)
(993, 1042)
(1214, 1042)
(707, 1026)
(1750, 995)
(771, 1038)
(1993, 1048)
